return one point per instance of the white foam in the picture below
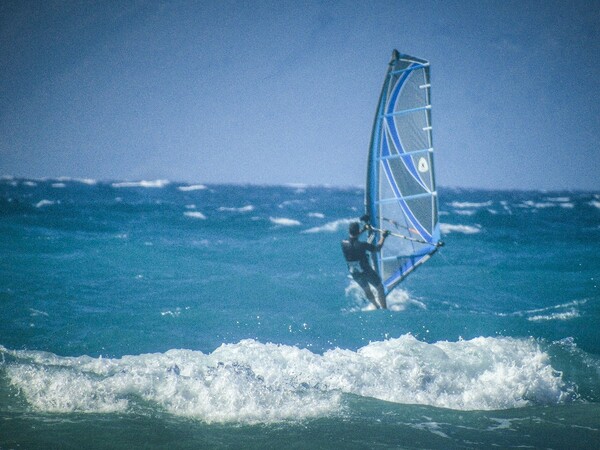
(563, 311)
(537, 205)
(37, 312)
(287, 203)
(88, 181)
(470, 204)
(174, 313)
(397, 300)
(143, 183)
(330, 227)
(567, 315)
(432, 427)
(242, 209)
(285, 222)
(316, 215)
(595, 204)
(504, 204)
(193, 187)
(502, 424)
(45, 202)
(447, 228)
(355, 293)
(299, 188)
(195, 215)
(484, 373)
(252, 382)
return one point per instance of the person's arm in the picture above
(375, 248)
(384, 235)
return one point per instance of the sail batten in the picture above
(395, 199)
(404, 155)
(407, 111)
(401, 191)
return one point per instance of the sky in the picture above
(275, 92)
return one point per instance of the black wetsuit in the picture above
(355, 252)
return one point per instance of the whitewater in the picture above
(161, 314)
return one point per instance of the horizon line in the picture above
(163, 182)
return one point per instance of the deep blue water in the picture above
(164, 315)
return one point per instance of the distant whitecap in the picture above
(470, 204)
(242, 209)
(447, 228)
(143, 184)
(330, 227)
(595, 204)
(537, 205)
(195, 215)
(88, 181)
(43, 203)
(194, 187)
(285, 222)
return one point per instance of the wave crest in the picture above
(253, 382)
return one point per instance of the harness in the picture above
(354, 267)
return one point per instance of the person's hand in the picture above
(386, 233)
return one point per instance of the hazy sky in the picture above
(285, 91)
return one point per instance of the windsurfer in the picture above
(355, 252)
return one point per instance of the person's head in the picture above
(354, 229)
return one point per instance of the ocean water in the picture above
(157, 314)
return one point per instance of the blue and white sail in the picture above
(401, 192)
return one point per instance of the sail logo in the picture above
(423, 165)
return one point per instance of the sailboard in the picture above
(400, 194)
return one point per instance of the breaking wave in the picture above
(252, 382)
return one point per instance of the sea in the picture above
(164, 315)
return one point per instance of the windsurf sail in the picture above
(401, 193)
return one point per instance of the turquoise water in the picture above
(167, 315)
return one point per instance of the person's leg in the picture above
(364, 284)
(381, 295)
(374, 279)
